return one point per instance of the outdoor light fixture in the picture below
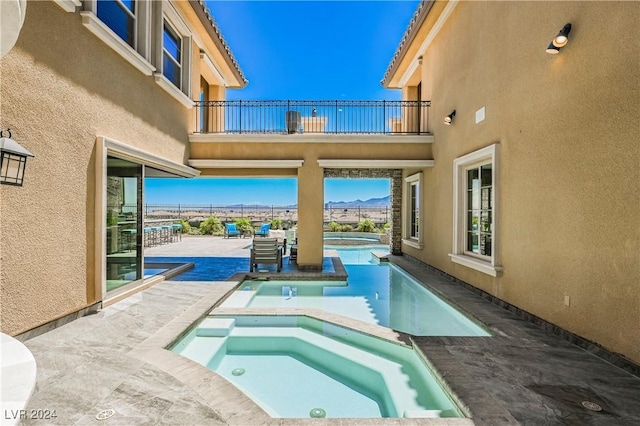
(13, 159)
(449, 118)
(560, 40)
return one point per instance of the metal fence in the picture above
(261, 213)
(325, 117)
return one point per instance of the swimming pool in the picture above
(381, 294)
(297, 367)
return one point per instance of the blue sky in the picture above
(277, 192)
(303, 50)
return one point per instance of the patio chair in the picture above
(265, 251)
(293, 256)
(264, 230)
(230, 230)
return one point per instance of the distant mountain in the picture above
(371, 202)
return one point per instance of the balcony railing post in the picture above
(240, 116)
(384, 116)
(419, 115)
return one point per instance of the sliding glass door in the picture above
(124, 223)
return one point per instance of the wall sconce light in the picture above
(13, 159)
(449, 118)
(560, 40)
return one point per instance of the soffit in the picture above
(215, 45)
(424, 21)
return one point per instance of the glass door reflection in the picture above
(124, 223)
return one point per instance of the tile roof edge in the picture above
(200, 7)
(414, 25)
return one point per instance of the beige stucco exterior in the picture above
(309, 149)
(62, 88)
(567, 126)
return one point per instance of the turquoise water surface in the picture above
(299, 367)
(382, 294)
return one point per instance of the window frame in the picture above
(413, 237)
(487, 264)
(171, 17)
(167, 27)
(130, 14)
(138, 56)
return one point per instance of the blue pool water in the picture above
(358, 255)
(301, 367)
(206, 268)
(382, 294)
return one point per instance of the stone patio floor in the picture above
(115, 359)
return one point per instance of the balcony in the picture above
(296, 117)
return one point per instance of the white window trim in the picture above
(414, 179)
(171, 89)
(91, 21)
(460, 165)
(173, 18)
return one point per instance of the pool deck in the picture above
(115, 359)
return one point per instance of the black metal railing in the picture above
(260, 213)
(324, 117)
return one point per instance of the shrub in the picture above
(334, 227)
(211, 226)
(243, 224)
(386, 226)
(276, 224)
(366, 226)
(346, 228)
(112, 218)
(186, 227)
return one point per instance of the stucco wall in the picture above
(568, 129)
(61, 87)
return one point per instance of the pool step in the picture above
(422, 414)
(239, 299)
(215, 327)
(380, 256)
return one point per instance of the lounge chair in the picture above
(230, 230)
(264, 230)
(265, 251)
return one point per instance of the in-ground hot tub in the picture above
(297, 367)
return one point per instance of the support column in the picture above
(310, 216)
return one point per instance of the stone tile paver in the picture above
(117, 359)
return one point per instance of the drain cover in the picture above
(105, 414)
(591, 406)
(238, 371)
(317, 413)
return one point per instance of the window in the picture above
(172, 55)
(479, 221)
(125, 26)
(414, 210)
(475, 210)
(120, 16)
(173, 49)
(412, 234)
